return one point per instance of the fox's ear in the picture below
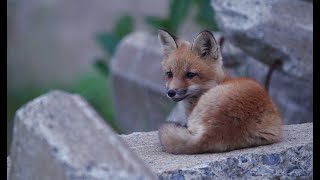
(206, 46)
(167, 41)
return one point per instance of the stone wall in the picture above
(290, 159)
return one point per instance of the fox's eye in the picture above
(190, 75)
(169, 74)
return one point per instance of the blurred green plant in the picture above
(17, 98)
(94, 87)
(205, 16)
(108, 41)
(178, 12)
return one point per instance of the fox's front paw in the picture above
(175, 138)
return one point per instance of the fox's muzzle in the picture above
(177, 94)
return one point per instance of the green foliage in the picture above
(205, 15)
(124, 26)
(17, 98)
(178, 12)
(94, 87)
(158, 23)
(102, 66)
(109, 41)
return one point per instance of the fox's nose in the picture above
(171, 93)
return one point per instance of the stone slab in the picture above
(291, 158)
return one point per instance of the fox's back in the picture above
(239, 106)
(242, 95)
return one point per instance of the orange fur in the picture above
(223, 113)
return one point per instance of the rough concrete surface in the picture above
(288, 159)
(59, 136)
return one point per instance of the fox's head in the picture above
(190, 69)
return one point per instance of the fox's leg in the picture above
(178, 139)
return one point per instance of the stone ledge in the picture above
(290, 158)
(62, 130)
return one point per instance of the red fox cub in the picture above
(223, 113)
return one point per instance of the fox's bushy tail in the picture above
(177, 139)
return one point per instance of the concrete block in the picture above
(290, 159)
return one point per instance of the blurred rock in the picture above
(270, 30)
(139, 94)
(8, 167)
(293, 96)
(59, 136)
